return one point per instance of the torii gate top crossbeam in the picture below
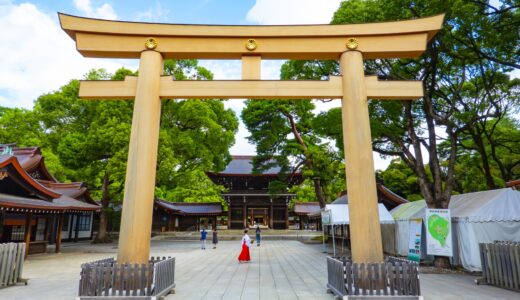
(115, 39)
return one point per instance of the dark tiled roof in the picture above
(306, 208)
(192, 209)
(384, 195)
(55, 201)
(60, 204)
(243, 165)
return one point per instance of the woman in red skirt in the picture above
(246, 243)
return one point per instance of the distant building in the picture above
(182, 216)
(248, 198)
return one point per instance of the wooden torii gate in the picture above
(152, 43)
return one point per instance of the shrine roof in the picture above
(31, 159)
(243, 165)
(190, 209)
(306, 208)
(20, 192)
(61, 204)
(384, 195)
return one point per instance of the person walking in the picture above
(203, 235)
(246, 244)
(215, 238)
(258, 236)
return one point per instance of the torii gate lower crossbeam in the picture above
(394, 39)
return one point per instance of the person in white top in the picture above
(246, 244)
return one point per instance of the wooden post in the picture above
(251, 67)
(27, 232)
(136, 218)
(271, 225)
(286, 216)
(76, 228)
(362, 198)
(58, 233)
(229, 216)
(244, 213)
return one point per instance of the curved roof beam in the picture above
(117, 39)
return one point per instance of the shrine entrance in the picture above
(152, 43)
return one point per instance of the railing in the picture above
(500, 264)
(11, 263)
(105, 279)
(394, 277)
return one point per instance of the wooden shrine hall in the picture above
(35, 208)
(248, 198)
(185, 216)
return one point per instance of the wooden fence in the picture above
(500, 264)
(11, 263)
(105, 279)
(394, 277)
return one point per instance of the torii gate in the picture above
(153, 43)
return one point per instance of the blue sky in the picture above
(173, 11)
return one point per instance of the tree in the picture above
(91, 138)
(478, 43)
(284, 135)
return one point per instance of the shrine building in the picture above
(248, 198)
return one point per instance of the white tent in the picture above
(480, 217)
(340, 214)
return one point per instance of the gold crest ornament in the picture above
(251, 45)
(3, 175)
(352, 43)
(150, 43)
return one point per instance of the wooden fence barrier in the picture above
(500, 264)
(105, 279)
(11, 263)
(395, 278)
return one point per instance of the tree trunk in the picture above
(102, 236)
(318, 189)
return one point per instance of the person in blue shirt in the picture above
(203, 235)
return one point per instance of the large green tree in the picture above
(284, 132)
(91, 139)
(462, 69)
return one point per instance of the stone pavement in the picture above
(279, 270)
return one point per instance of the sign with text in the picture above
(325, 217)
(414, 241)
(438, 232)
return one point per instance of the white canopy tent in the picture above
(340, 214)
(480, 217)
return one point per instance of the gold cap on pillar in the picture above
(352, 43)
(150, 43)
(251, 45)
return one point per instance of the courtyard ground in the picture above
(279, 270)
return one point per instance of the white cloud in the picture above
(155, 13)
(40, 57)
(283, 12)
(104, 11)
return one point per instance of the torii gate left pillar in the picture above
(348, 43)
(142, 161)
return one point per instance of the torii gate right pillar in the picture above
(365, 230)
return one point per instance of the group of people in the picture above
(245, 242)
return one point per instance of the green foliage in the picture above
(285, 134)
(400, 179)
(85, 140)
(465, 71)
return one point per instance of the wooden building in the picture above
(37, 209)
(248, 198)
(302, 210)
(183, 216)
